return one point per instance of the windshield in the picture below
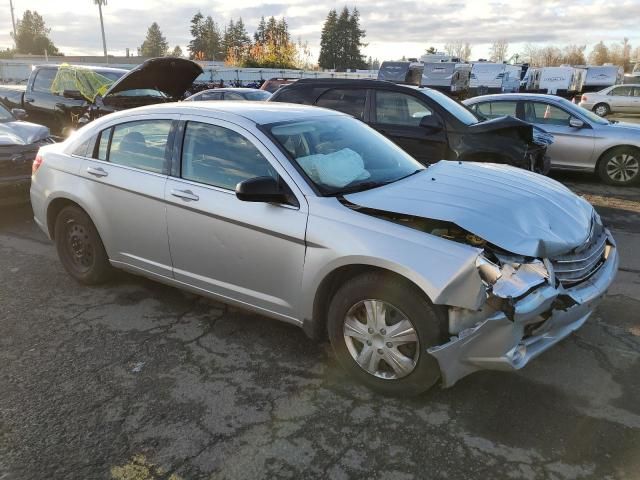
(257, 95)
(456, 109)
(342, 155)
(592, 117)
(5, 115)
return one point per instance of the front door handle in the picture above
(185, 195)
(97, 172)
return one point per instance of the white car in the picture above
(615, 99)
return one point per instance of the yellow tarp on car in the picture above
(87, 82)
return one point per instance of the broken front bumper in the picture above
(540, 320)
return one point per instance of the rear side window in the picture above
(396, 108)
(102, 151)
(85, 149)
(141, 145)
(44, 79)
(496, 109)
(349, 101)
(233, 96)
(217, 156)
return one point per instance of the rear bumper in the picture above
(500, 343)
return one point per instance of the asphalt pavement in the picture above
(136, 380)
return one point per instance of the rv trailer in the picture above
(449, 77)
(409, 73)
(602, 76)
(488, 77)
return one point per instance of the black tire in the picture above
(80, 248)
(601, 109)
(620, 166)
(429, 325)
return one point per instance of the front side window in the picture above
(220, 157)
(350, 101)
(543, 113)
(44, 80)
(340, 155)
(396, 108)
(141, 145)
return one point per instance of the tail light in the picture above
(36, 164)
(584, 98)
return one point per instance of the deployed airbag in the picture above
(335, 169)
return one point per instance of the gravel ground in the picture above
(135, 380)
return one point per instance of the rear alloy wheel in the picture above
(380, 328)
(601, 109)
(80, 248)
(621, 166)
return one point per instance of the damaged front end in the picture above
(531, 304)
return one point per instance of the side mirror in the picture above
(576, 122)
(19, 113)
(73, 94)
(431, 122)
(261, 189)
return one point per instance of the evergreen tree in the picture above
(341, 41)
(154, 45)
(328, 48)
(196, 46)
(32, 35)
(206, 43)
(260, 35)
(177, 51)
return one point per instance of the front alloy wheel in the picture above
(381, 339)
(620, 167)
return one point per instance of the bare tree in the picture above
(550, 56)
(498, 51)
(616, 54)
(458, 49)
(599, 55)
(574, 55)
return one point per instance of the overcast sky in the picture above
(394, 27)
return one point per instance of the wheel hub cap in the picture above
(381, 339)
(80, 249)
(623, 167)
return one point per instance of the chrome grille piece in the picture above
(583, 262)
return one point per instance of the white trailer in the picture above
(564, 81)
(448, 77)
(488, 77)
(602, 76)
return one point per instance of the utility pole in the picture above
(13, 21)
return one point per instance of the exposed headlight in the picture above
(511, 280)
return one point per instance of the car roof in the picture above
(231, 89)
(514, 96)
(257, 112)
(88, 67)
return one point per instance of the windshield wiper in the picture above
(360, 187)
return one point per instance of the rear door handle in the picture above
(185, 195)
(97, 172)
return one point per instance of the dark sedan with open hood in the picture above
(19, 144)
(426, 123)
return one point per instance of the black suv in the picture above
(426, 123)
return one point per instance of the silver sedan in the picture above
(308, 216)
(582, 140)
(615, 99)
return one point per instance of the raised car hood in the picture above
(516, 210)
(21, 133)
(170, 75)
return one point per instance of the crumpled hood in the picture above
(506, 124)
(169, 75)
(516, 210)
(21, 133)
